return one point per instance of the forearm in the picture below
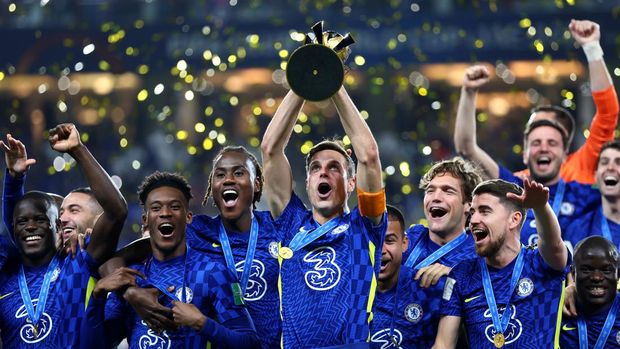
(599, 75)
(13, 191)
(362, 140)
(235, 333)
(550, 243)
(276, 168)
(108, 196)
(465, 124)
(279, 130)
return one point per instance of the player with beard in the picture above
(545, 151)
(78, 210)
(510, 295)
(329, 255)
(205, 297)
(580, 165)
(433, 251)
(44, 294)
(595, 269)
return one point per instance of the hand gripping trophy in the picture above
(315, 70)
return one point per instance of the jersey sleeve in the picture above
(13, 191)
(229, 310)
(451, 302)
(104, 324)
(508, 176)
(581, 165)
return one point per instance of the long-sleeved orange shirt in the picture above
(581, 165)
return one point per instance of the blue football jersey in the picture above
(591, 224)
(569, 336)
(536, 304)
(65, 306)
(578, 200)
(416, 317)
(261, 294)
(208, 285)
(328, 286)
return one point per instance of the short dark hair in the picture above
(394, 214)
(335, 145)
(545, 122)
(159, 179)
(499, 188)
(257, 168)
(466, 171)
(613, 144)
(597, 241)
(563, 117)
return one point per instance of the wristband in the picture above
(593, 51)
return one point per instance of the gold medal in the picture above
(285, 252)
(499, 340)
(35, 331)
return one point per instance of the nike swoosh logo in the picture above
(566, 328)
(471, 299)
(6, 295)
(215, 244)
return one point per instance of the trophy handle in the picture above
(346, 41)
(318, 32)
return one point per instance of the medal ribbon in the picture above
(164, 289)
(249, 255)
(433, 257)
(607, 326)
(35, 315)
(500, 325)
(301, 239)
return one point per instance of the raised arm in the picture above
(550, 244)
(447, 332)
(17, 163)
(465, 140)
(581, 165)
(278, 184)
(104, 238)
(368, 177)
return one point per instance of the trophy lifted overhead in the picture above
(315, 70)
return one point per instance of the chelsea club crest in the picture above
(413, 313)
(525, 287)
(273, 249)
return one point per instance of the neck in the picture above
(386, 285)
(38, 261)
(611, 208)
(442, 238)
(163, 256)
(241, 224)
(552, 181)
(324, 217)
(505, 255)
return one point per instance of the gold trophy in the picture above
(315, 70)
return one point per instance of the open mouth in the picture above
(610, 180)
(437, 212)
(230, 197)
(479, 234)
(324, 189)
(543, 161)
(384, 264)
(67, 231)
(166, 229)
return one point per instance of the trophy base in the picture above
(315, 72)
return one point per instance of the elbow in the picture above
(464, 149)
(370, 156)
